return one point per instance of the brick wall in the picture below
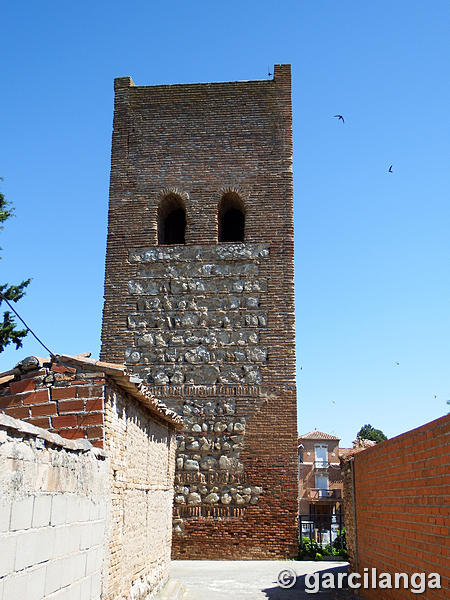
(52, 515)
(402, 489)
(85, 401)
(208, 325)
(57, 397)
(142, 453)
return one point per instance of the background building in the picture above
(320, 485)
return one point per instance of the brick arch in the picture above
(231, 215)
(171, 217)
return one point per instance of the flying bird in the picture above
(268, 72)
(340, 117)
(390, 169)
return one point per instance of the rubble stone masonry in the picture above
(209, 325)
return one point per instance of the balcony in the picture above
(321, 465)
(321, 495)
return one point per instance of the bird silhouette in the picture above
(340, 117)
(390, 169)
(268, 71)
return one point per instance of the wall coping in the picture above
(81, 445)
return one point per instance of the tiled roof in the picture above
(318, 435)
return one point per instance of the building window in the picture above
(171, 220)
(231, 218)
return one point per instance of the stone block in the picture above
(22, 513)
(7, 553)
(42, 510)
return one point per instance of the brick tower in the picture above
(199, 299)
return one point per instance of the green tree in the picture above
(367, 432)
(12, 293)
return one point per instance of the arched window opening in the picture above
(231, 219)
(171, 221)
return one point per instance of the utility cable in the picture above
(2, 297)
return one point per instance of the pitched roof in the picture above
(318, 435)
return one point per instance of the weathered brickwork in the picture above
(399, 521)
(142, 454)
(137, 432)
(210, 325)
(57, 397)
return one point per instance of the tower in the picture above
(199, 299)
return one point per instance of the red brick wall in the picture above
(402, 489)
(60, 399)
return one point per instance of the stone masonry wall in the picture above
(399, 522)
(210, 326)
(142, 454)
(53, 500)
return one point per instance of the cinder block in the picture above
(15, 587)
(34, 547)
(96, 586)
(73, 509)
(7, 553)
(58, 515)
(85, 588)
(67, 540)
(42, 510)
(98, 532)
(22, 513)
(53, 576)
(95, 558)
(5, 517)
(28, 585)
(73, 568)
(85, 536)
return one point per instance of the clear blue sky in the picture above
(372, 248)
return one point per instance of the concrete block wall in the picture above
(53, 504)
(397, 513)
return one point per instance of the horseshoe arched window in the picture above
(171, 220)
(231, 218)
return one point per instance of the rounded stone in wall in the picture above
(191, 465)
(194, 498)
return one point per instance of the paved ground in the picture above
(254, 580)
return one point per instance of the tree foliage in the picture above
(8, 331)
(367, 432)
